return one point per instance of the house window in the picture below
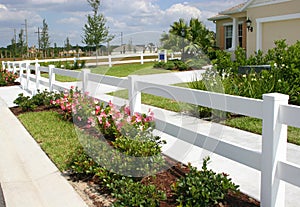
(229, 33)
(240, 35)
(228, 36)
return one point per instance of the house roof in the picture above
(236, 9)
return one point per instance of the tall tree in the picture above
(95, 30)
(45, 39)
(68, 46)
(21, 43)
(180, 29)
(194, 37)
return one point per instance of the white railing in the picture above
(273, 110)
(109, 60)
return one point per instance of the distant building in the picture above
(131, 49)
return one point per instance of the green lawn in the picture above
(128, 69)
(117, 71)
(255, 125)
(57, 137)
(160, 102)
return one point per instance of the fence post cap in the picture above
(275, 96)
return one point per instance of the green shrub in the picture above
(135, 194)
(202, 188)
(43, 98)
(284, 76)
(7, 77)
(25, 102)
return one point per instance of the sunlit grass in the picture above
(255, 125)
(56, 136)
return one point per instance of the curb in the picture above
(2, 201)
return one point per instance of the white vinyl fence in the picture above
(109, 60)
(274, 110)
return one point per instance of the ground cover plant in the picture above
(133, 138)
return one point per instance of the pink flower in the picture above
(107, 125)
(97, 109)
(79, 118)
(72, 87)
(138, 117)
(127, 110)
(99, 119)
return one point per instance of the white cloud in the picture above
(3, 7)
(182, 11)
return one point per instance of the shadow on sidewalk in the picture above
(2, 201)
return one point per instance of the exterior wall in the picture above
(280, 30)
(273, 30)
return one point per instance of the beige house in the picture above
(256, 24)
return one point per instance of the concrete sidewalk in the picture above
(28, 177)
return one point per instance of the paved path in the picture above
(23, 157)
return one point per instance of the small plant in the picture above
(131, 193)
(202, 188)
(40, 99)
(172, 65)
(25, 102)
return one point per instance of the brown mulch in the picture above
(95, 197)
(11, 84)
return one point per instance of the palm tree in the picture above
(181, 30)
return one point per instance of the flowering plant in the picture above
(7, 77)
(109, 120)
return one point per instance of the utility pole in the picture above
(122, 43)
(26, 37)
(39, 41)
(15, 43)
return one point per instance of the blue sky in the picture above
(140, 21)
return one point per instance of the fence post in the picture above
(274, 144)
(165, 56)
(37, 77)
(14, 67)
(21, 75)
(134, 96)
(85, 73)
(51, 77)
(3, 65)
(8, 65)
(27, 74)
(142, 58)
(109, 61)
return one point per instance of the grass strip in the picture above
(128, 69)
(156, 101)
(255, 125)
(56, 136)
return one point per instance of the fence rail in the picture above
(109, 60)
(273, 110)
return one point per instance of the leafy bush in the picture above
(284, 76)
(25, 102)
(7, 77)
(43, 98)
(131, 193)
(78, 64)
(172, 65)
(202, 188)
